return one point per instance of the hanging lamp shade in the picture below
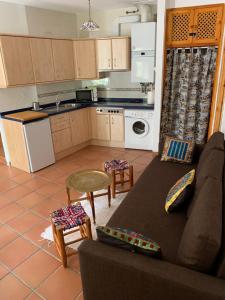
(90, 25)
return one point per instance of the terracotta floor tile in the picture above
(33, 296)
(16, 252)
(51, 248)
(24, 222)
(6, 184)
(74, 263)
(6, 235)
(35, 183)
(80, 297)
(31, 200)
(47, 206)
(10, 211)
(4, 201)
(63, 284)
(37, 268)
(3, 272)
(9, 172)
(22, 178)
(144, 160)
(49, 189)
(34, 234)
(11, 288)
(17, 193)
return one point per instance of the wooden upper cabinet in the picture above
(15, 61)
(179, 27)
(104, 54)
(207, 25)
(63, 59)
(41, 51)
(194, 26)
(121, 53)
(85, 59)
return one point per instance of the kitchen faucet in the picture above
(57, 102)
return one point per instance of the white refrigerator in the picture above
(39, 144)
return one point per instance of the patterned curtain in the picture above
(188, 93)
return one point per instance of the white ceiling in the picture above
(78, 5)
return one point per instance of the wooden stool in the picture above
(69, 217)
(122, 169)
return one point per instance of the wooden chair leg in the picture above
(62, 246)
(91, 199)
(68, 196)
(122, 177)
(113, 184)
(109, 195)
(88, 228)
(131, 176)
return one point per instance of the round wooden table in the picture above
(88, 182)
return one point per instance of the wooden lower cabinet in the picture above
(79, 123)
(117, 128)
(100, 126)
(62, 140)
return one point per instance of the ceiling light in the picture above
(89, 25)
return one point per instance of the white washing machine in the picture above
(139, 129)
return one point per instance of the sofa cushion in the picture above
(201, 239)
(128, 240)
(177, 150)
(143, 208)
(216, 141)
(213, 168)
(180, 192)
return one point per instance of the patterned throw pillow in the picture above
(180, 192)
(129, 240)
(177, 150)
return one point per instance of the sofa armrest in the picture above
(111, 273)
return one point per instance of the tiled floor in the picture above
(30, 267)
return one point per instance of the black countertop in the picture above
(112, 102)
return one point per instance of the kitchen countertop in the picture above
(113, 102)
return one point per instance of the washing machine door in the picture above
(140, 128)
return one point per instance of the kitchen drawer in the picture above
(62, 140)
(60, 122)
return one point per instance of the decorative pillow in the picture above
(180, 192)
(177, 150)
(129, 240)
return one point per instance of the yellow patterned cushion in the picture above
(180, 192)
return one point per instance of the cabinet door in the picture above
(103, 127)
(117, 128)
(41, 50)
(207, 25)
(17, 60)
(79, 122)
(179, 27)
(62, 140)
(121, 53)
(104, 54)
(63, 59)
(85, 59)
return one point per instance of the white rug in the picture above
(102, 212)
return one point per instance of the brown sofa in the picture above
(192, 239)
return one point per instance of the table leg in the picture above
(109, 195)
(91, 199)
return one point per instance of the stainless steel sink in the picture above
(62, 107)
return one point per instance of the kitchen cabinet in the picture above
(62, 140)
(63, 59)
(15, 62)
(113, 54)
(85, 59)
(59, 122)
(80, 129)
(100, 126)
(41, 51)
(194, 26)
(104, 54)
(117, 128)
(121, 53)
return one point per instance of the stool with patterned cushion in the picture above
(124, 170)
(72, 216)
